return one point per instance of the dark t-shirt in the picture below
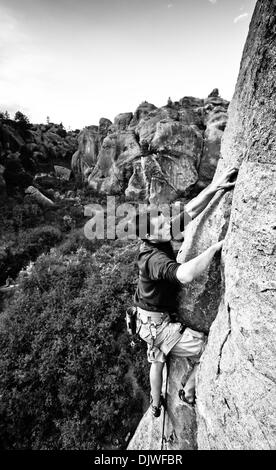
(158, 285)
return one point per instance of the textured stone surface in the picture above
(62, 172)
(179, 421)
(215, 121)
(236, 395)
(184, 139)
(122, 121)
(116, 159)
(104, 125)
(86, 155)
(38, 197)
(199, 300)
(236, 386)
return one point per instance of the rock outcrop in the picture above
(235, 300)
(236, 384)
(184, 140)
(86, 155)
(177, 428)
(27, 149)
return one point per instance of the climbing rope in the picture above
(165, 405)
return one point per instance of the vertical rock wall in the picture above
(236, 394)
(176, 430)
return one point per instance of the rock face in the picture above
(175, 430)
(86, 155)
(236, 392)
(184, 140)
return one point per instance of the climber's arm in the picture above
(198, 204)
(188, 271)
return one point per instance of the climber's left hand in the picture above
(227, 180)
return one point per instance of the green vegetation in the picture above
(65, 353)
(69, 377)
(26, 230)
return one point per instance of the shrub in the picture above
(26, 247)
(64, 353)
(36, 240)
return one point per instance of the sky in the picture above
(79, 60)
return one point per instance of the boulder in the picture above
(122, 121)
(38, 197)
(104, 125)
(62, 172)
(142, 111)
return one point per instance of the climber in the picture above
(160, 278)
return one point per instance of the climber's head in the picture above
(153, 225)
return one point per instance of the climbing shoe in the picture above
(182, 397)
(156, 410)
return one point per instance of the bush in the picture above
(36, 240)
(26, 247)
(65, 353)
(76, 239)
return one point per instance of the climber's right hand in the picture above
(227, 180)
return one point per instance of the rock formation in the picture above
(62, 172)
(184, 139)
(235, 299)
(38, 197)
(86, 155)
(32, 148)
(236, 385)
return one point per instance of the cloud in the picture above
(240, 17)
(170, 5)
(213, 1)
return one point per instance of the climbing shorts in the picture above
(169, 338)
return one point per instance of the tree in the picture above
(21, 118)
(4, 115)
